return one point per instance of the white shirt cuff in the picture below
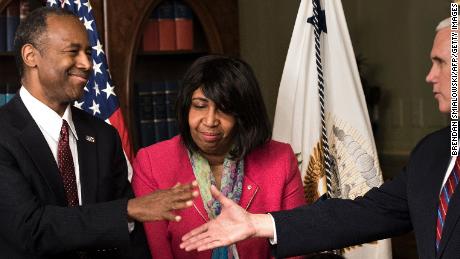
(274, 240)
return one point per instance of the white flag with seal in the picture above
(351, 144)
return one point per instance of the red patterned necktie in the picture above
(66, 166)
(444, 198)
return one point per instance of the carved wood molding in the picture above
(122, 23)
(4, 4)
(209, 25)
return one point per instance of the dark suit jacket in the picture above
(35, 221)
(408, 202)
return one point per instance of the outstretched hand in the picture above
(160, 204)
(232, 225)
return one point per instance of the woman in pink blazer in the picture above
(224, 141)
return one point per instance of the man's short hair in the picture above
(32, 29)
(443, 24)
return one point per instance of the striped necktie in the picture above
(446, 193)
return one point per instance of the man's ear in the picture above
(29, 55)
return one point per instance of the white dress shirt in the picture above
(449, 169)
(50, 124)
(274, 240)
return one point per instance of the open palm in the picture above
(232, 225)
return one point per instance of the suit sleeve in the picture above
(144, 183)
(293, 195)
(336, 223)
(137, 247)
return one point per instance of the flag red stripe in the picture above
(116, 119)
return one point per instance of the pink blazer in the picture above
(271, 182)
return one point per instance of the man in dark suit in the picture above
(423, 198)
(64, 191)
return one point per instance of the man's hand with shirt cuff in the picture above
(233, 224)
(274, 240)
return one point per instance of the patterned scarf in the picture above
(231, 187)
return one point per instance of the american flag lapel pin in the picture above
(90, 139)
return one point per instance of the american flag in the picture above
(100, 99)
